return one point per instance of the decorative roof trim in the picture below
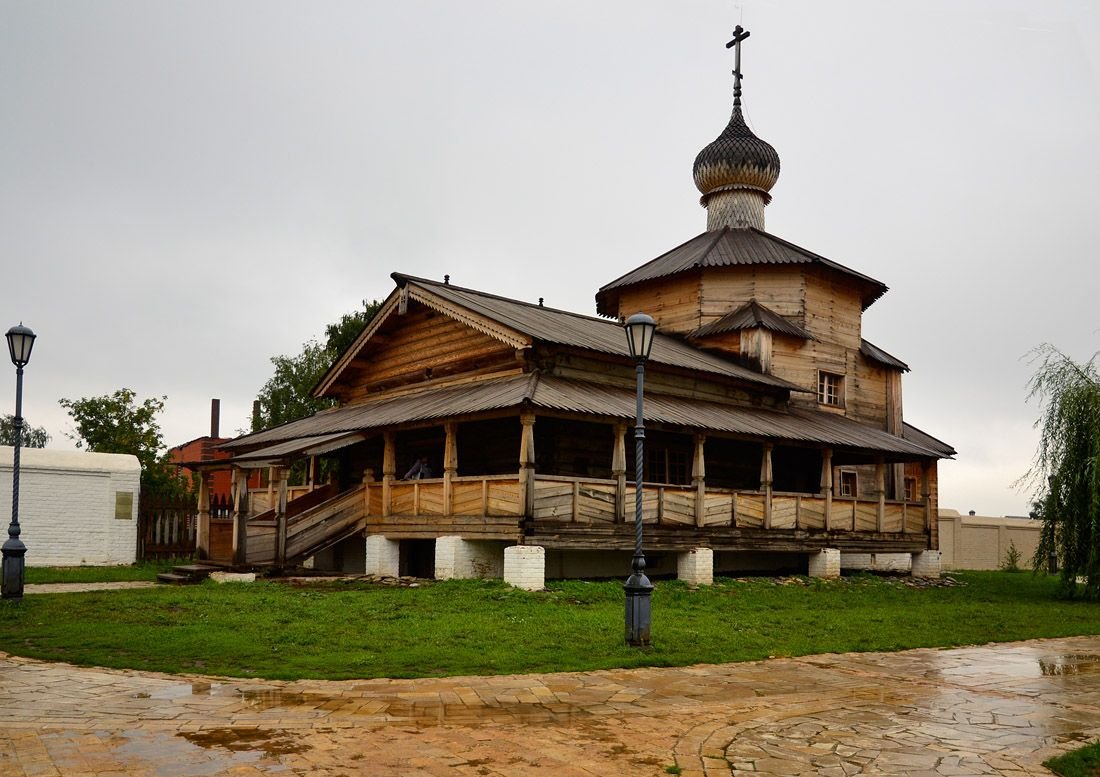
(504, 334)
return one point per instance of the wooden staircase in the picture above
(314, 522)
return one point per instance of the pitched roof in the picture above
(925, 440)
(520, 322)
(729, 247)
(564, 395)
(752, 315)
(874, 353)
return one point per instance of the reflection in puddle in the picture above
(271, 743)
(1069, 664)
(270, 699)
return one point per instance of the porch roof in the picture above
(559, 394)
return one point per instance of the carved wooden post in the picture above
(926, 499)
(202, 531)
(527, 465)
(240, 515)
(618, 469)
(368, 478)
(389, 470)
(827, 484)
(698, 479)
(450, 466)
(766, 483)
(880, 488)
(312, 473)
(281, 474)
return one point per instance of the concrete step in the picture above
(196, 571)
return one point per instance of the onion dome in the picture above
(737, 159)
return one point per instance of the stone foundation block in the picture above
(696, 566)
(525, 567)
(457, 558)
(383, 556)
(927, 563)
(825, 563)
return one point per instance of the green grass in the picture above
(353, 629)
(145, 570)
(1083, 762)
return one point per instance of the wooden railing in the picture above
(576, 500)
(312, 521)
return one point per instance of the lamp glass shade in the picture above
(20, 343)
(639, 335)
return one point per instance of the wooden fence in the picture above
(166, 527)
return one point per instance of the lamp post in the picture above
(20, 343)
(639, 337)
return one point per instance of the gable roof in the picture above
(752, 315)
(551, 393)
(728, 247)
(520, 324)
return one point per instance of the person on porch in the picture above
(420, 470)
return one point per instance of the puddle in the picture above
(182, 691)
(271, 699)
(271, 743)
(1051, 666)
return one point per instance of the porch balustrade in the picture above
(580, 501)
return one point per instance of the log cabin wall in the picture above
(422, 347)
(780, 288)
(673, 302)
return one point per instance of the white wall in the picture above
(982, 542)
(67, 502)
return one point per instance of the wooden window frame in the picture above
(830, 388)
(853, 491)
(909, 490)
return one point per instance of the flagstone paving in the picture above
(991, 710)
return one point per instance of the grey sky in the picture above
(187, 189)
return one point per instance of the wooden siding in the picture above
(408, 346)
(673, 302)
(779, 288)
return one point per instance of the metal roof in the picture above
(562, 327)
(728, 247)
(570, 396)
(874, 353)
(750, 316)
(925, 440)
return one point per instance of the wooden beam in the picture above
(389, 470)
(698, 479)
(280, 514)
(766, 483)
(618, 469)
(527, 465)
(202, 531)
(827, 484)
(880, 488)
(450, 465)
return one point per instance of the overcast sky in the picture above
(189, 188)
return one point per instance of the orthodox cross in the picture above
(739, 34)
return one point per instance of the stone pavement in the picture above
(993, 710)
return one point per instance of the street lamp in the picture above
(20, 343)
(639, 337)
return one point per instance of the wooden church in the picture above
(480, 436)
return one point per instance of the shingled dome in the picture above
(737, 159)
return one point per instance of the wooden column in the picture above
(618, 469)
(698, 479)
(368, 478)
(202, 531)
(926, 500)
(271, 477)
(880, 489)
(450, 466)
(766, 483)
(827, 484)
(280, 474)
(240, 515)
(389, 470)
(527, 465)
(312, 473)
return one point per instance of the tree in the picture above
(286, 396)
(1066, 471)
(33, 436)
(116, 423)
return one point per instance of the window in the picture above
(910, 489)
(849, 483)
(830, 389)
(667, 465)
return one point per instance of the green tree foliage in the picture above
(1066, 472)
(286, 395)
(33, 436)
(117, 423)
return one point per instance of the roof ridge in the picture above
(513, 300)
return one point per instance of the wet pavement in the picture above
(992, 710)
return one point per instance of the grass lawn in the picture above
(358, 630)
(1083, 762)
(145, 570)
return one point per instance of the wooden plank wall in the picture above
(407, 346)
(673, 302)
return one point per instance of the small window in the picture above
(849, 483)
(910, 489)
(830, 389)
